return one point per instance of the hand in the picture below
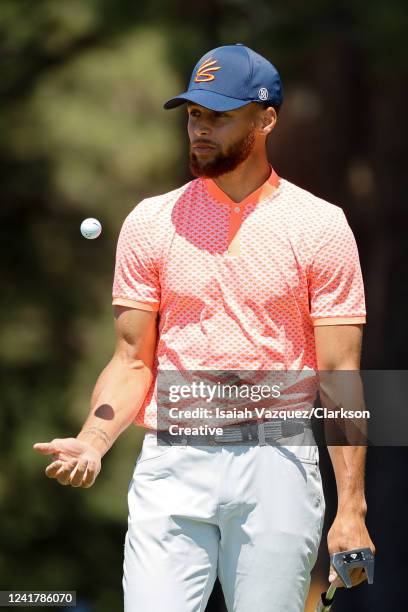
(347, 532)
(75, 463)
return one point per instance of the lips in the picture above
(202, 147)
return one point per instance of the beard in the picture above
(222, 163)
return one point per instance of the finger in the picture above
(64, 473)
(78, 473)
(89, 478)
(357, 575)
(52, 469)
(334, 578)
(66, 466)
(45, 448)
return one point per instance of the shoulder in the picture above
(159, 205)
(312, 223)
(308, 208)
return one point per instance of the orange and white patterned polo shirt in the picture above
(238, 286)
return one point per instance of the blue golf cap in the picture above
(229, 77)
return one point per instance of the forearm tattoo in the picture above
(99, 433)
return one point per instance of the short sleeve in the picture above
(136, 279)
(336, 289)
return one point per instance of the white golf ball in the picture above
(91, 228)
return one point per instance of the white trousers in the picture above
(251, 514)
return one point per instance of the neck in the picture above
(245, 179)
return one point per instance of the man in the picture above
(237, 270)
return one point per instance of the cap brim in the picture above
(209, 99)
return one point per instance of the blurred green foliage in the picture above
(83, 134)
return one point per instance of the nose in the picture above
(202, 127)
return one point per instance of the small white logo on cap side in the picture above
(263, 93)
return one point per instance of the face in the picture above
(219, 142)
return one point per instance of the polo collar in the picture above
(264, 191)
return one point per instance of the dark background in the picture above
(83, 134)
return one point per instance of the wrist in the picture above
(97, 438)
(356, 507)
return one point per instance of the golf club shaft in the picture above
(328, 596)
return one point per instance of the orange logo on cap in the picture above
(205, 70)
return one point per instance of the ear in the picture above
(267, 119)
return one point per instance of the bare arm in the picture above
(338, 347)
(122, 386)
(117, 397)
